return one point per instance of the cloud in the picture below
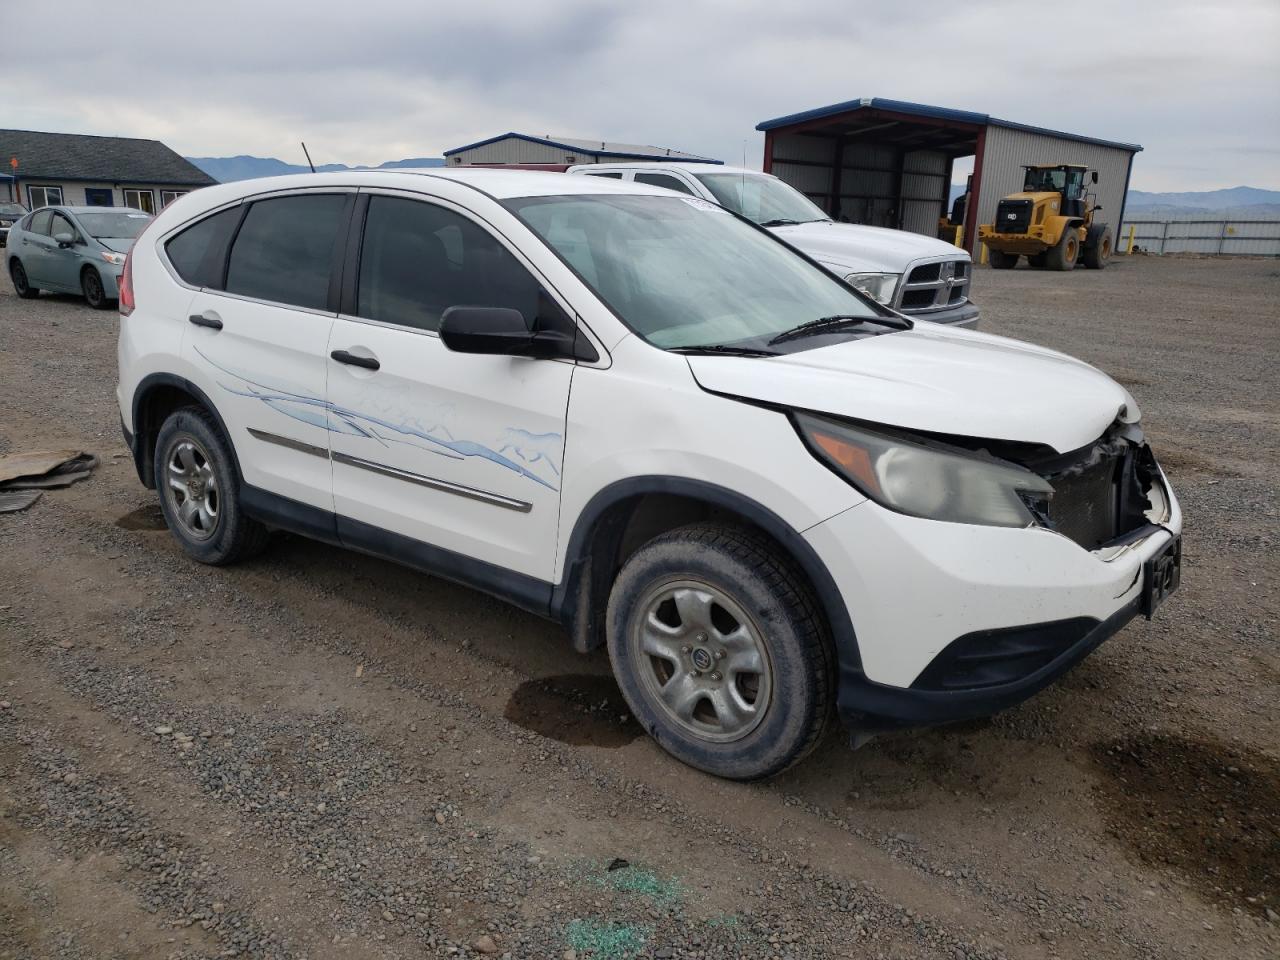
(386, 79)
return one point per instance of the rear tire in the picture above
(720, 651)
(1036, 261)
(1001, 260)
(1063, 256)
(21, 285)
(91, 286)
(199, 490)
(1098, 247)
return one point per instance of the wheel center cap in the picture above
(196, 487)
(702, 658)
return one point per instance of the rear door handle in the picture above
(369, 363)
(206, 320)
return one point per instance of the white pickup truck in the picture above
(924, 278)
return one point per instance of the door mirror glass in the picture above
(1095, 176)
(501, 331)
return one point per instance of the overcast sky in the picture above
(1196, 83)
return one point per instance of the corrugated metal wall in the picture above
(1007, 150)
(512, 150)
(868, 180)
(1213, 237)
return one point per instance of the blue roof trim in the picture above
(938, 113)
(578, 149)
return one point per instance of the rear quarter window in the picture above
(199, 252)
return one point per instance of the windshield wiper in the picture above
(825, 324)
(726, 348)
(781, 222)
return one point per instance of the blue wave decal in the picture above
(530, 448)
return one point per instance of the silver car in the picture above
(73, 250)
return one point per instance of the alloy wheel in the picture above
(702, 659)
(192, 489)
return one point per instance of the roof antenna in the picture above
(308, 156)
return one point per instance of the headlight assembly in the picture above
(112, 257)
(879, 287)
(924, 481)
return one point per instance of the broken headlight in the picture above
(926, 480)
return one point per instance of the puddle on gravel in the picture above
(144, 518)
(1207, 810)
(577, 709)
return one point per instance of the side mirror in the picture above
(64, 239)
(504, 332)
(1095, 176)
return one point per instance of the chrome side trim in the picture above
(289, 442)
(443, 486)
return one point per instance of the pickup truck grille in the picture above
(934, 286)
(1013, 216)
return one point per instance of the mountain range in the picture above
(1239, 202)
(227, 169)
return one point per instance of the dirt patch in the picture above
(149, 517)
(1181, 460)
(577, 709)
(1209, 811)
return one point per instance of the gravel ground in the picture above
(318, 754)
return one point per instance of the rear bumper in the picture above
(962, 315)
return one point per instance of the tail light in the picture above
(126, 285)
(127, 299)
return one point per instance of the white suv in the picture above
(646, 418)
(920, 276)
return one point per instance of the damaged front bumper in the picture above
(955, 621)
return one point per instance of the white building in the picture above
(558, 151)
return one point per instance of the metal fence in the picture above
(1258, 238)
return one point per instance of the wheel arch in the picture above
(154, 399)
(629, 512)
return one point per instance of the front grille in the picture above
(1013, 216)
(932, 286)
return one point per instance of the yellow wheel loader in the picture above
(1053, 222)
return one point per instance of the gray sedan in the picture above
(73, 250)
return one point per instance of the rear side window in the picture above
(284, 250)
(199, 252)
(417, 260)
(662, 180)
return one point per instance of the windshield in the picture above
(12, 209)
(763, 199)
(682, 272)
(122, 225)
(1044, 181)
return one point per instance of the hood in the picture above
(118, 244)
(938, 380)
(862, 248)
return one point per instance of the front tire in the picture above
(720, 651)
(199, 490)
(21, 285)
(1063, 255)
(91, 286)
(1002, 261)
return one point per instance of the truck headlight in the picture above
(936, 482)
(879, 287)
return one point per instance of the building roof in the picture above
(591, 148)
(934, 113)
(75, 156)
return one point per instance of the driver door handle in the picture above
(369, 363)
